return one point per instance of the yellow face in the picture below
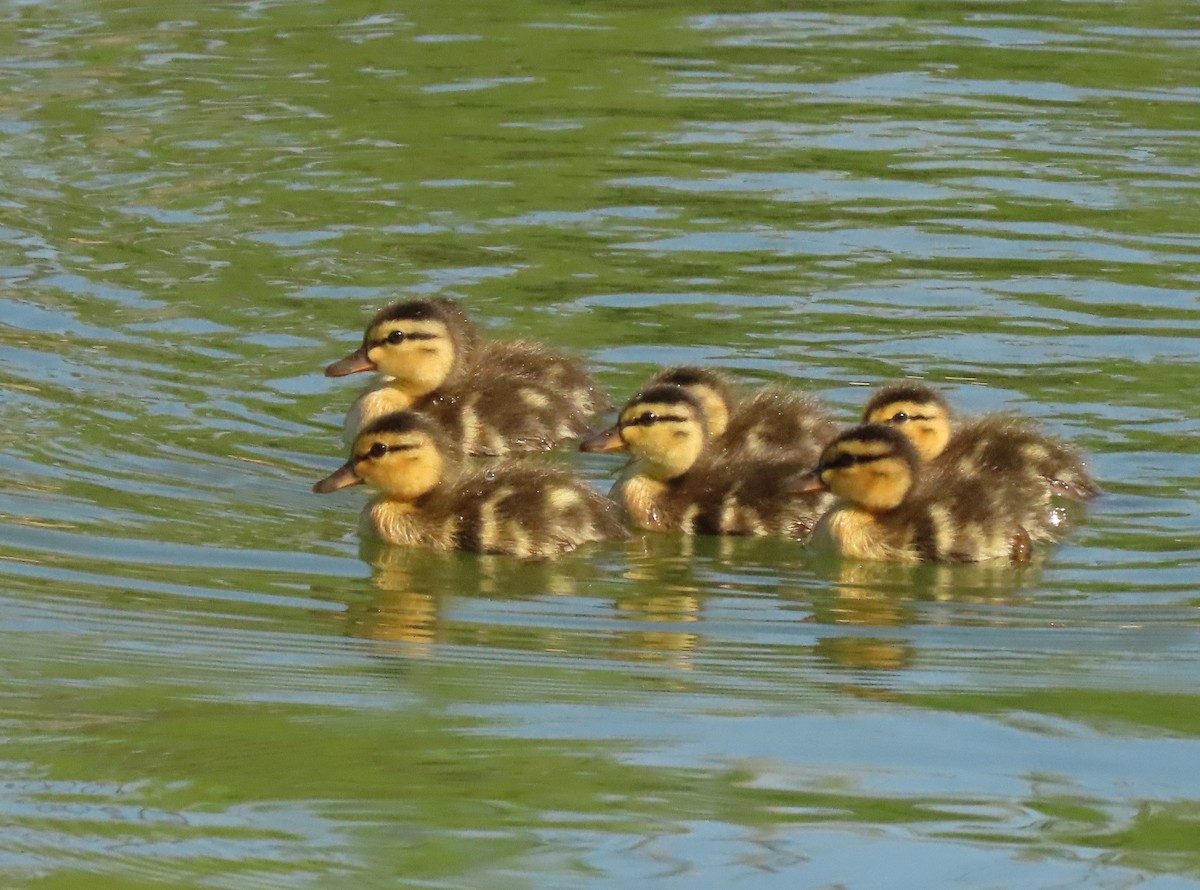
(926, 424)
(667, 436)
(419, 353)
(403, 465)
(869, 473)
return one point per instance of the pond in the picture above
(210, 680)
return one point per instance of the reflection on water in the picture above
(209, 679)
(417, 592)
(874, 597)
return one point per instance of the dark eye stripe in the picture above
(379, 449)
(651, 418)
(901, 417)
(847, 459)
(418, 335)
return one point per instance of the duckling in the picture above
(494, 398)
(676, 482)
(772, 421)
(894, 506)
(426, 500)
(992, 443)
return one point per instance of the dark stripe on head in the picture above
(401, 422)
(897, 445)
(651, 417)
(690, 375)
(449, 313)
(906, 392)
(397, 337)
(665, 394)
(662, 395)
(420, 310)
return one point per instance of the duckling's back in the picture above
(1001, 444)
(492, 415)
(524, 510)
(777, 421)
(955, 517)
(556, 374)
(494, 397)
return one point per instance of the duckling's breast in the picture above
(643, 501)
(861, 535)
(402, 523)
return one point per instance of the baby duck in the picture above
(676, 483)
(989, 444)
(772, 421)
(494, 398)
(895, 507)
(427, 500)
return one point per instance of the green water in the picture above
(206, 684)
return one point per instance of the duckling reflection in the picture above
(889, 595)
(413, 587)
(408, 619)
(671, 579)
(865, 653)
(663, 596)
(493, 398)
(670, 644)
(404, 610)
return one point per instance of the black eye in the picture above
(395, 337)
(899, 417)
(378, 450)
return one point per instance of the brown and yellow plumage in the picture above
(426, 499)
(492, 397)
(677, 483)
(893, 506)
(774, 421)
(1004, 449)
(989, 443)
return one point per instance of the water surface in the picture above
(208, 682)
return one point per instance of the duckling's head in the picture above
(663, 426)
(403, 454)
(711, 388)
(872, 467)
(418, 342)
(917, 411)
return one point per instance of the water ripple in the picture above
(209, 677)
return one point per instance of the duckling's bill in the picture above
(807, 484)
(343, 477)
(605, 440)
(352, 364)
